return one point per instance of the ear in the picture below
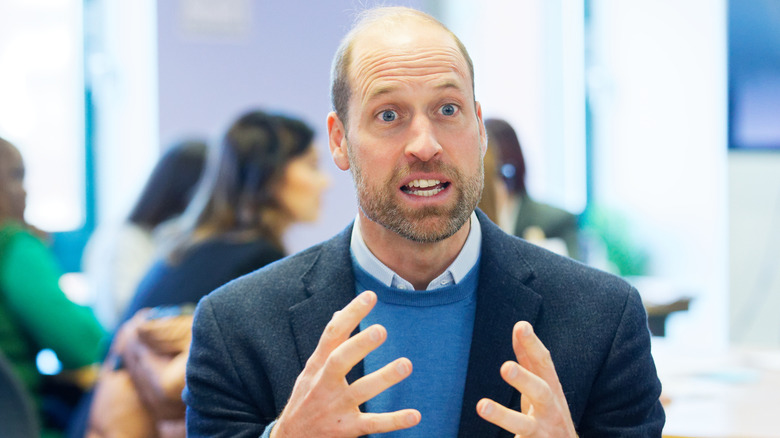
(482, 130)
(337, 141)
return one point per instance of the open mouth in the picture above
(424, 187)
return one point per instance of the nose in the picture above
(423, 143)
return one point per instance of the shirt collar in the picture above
(461, 266)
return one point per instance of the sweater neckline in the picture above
(453, 293)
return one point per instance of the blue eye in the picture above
(448, 109)
(389, 116)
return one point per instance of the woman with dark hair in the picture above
(170, 186)
(116, 259)
(263, 178)
(35, 313)
(510, 161)
(494, 192)
(520, 214)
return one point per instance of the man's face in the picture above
(415, 138)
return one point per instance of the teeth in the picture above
(426, 193)
(423, 183)
(424, 187)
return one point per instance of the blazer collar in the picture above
(329, 285)
(503, 299)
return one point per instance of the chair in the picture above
(657, 314)
(17, 416)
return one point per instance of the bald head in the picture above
(385, 19)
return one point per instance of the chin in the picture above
(429, 229)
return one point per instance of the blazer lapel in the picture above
(503, 299)
(329, 284)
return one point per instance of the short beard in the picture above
(424, 225)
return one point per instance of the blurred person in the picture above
(138, 394)
(116, 258)
(35, 313)
(263, 178)
(537, 222)
(422, 317)
(494, 192)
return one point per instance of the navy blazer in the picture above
(252, 337)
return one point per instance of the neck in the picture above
(419, 263)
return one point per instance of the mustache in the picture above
(437, 166)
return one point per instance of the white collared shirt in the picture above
(454, 273)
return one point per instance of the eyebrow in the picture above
(387, 89)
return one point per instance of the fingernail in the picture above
(365, 298)
(513, 371)
(526, 329)
(374, 334)
(487, 408)
(411, 418)
(401, 368)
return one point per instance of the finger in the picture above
(342, 325)
(534, 389)
(518, 331)
(368, 423)
(505, 418)
(352, 351)
(532, 354)
(371, 385)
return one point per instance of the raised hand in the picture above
(323, 404)
(545, 412)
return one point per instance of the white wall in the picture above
(41, 106)
(754, 246)
(660, 144)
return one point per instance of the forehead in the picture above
(388, 55)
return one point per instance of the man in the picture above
(323, 343)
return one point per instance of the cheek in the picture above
(16, 193)
(470, 148)
(376, 165)
(301, 195)
(373, 153)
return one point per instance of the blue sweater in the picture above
(433, 329)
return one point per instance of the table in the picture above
(732, 393)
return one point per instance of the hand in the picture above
(322, 404)
(155, 355)
(543, 405)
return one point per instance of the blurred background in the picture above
(657, 122)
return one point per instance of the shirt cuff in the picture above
(267, 431)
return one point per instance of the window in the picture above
(42, 105)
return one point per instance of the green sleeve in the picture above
(29, 278)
